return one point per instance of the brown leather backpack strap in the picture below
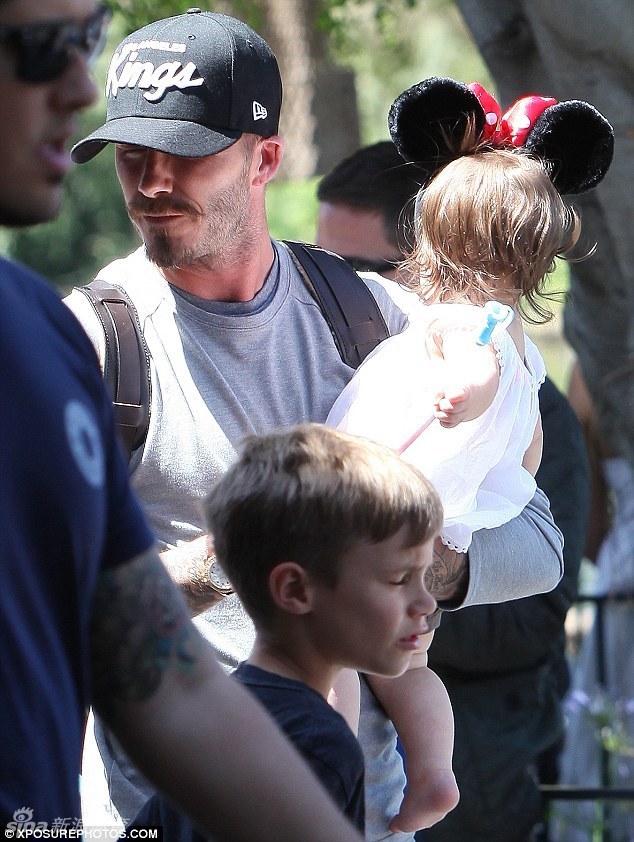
(127, 360)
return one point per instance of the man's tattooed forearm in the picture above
(139, 627)
(447, 578)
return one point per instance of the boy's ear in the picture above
(290, 588)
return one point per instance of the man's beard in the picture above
(223, 225)
(160, 250)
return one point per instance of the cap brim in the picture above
(174, 137)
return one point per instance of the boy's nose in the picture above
(425, 604)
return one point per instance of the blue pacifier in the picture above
(494, 314)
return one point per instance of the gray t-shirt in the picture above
(221, 371)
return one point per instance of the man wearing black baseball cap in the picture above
(190, 85)
(237, 342)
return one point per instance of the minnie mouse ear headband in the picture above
(572, 136)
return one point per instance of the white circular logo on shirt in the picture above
(85, 442)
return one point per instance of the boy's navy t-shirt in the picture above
(318, 732)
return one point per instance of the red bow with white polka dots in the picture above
(512, 126)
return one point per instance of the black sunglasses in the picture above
(363, 264)
(44, 50)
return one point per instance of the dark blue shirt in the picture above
(318, 732)
(66, 513)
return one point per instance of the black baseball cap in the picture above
(188, 85)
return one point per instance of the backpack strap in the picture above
(349, 307)
(127, 360)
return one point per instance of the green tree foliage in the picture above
(391, 50)
(328, 13)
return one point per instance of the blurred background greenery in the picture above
(363, 54)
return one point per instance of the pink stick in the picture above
(415, 435)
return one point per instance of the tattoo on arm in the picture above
(139, 628)
(448, 577)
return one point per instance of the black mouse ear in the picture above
(425, 117)
(577, 141)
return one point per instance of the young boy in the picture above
(326, 538)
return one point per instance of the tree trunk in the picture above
(320, 121)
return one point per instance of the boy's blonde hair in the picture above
(490, 220)
(308, 495)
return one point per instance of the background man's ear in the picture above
(290, 588)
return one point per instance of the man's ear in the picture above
(269, 151)
(290, 588)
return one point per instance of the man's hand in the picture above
(188, 565)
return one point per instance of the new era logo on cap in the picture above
(259, 111)
(189, 85)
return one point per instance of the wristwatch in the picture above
(216, 577)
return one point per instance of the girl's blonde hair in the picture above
(490, 220)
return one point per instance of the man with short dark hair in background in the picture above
(366, 208)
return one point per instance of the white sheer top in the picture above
(477, 465)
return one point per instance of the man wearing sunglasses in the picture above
(87, 611)
(45, 84)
